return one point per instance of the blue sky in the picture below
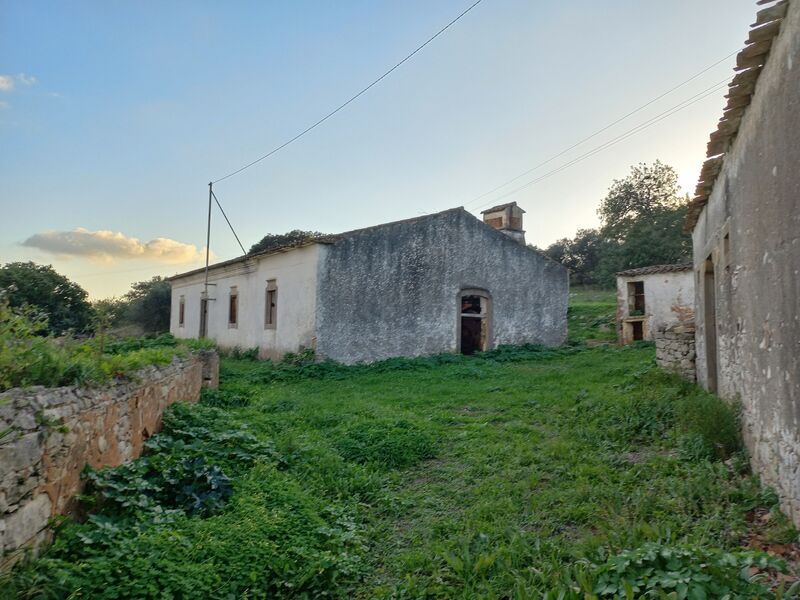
(114, 116)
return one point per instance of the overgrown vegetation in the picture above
(641, 224)
(567, 473)
(30, 356)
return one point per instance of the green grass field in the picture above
(525, 473)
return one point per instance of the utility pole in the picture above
(204, 315)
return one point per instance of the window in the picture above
(233, 308)
(636, 299)
(181, 311)
(726, 249)
(271, 305)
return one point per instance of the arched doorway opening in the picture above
(474, 321)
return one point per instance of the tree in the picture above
(149, 304)
(580, 255)
(276, 240)
(63, 302)
(646, 192)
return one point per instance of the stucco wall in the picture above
(392, 290)
(756, 202)
(55, 432)
(668, 301)
(295, 272)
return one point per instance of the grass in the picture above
(510, 475)
(592, 314)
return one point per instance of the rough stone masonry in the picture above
(675, 350)
(50, 434)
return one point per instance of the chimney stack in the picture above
(506, 218)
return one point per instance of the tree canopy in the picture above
(63, 302)
(641, 224)
(276, 240)
(148, 304)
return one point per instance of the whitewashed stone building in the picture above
(745, 226)
(653, 299)
(445, 282)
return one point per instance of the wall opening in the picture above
(233, 307)
(271, 305)
(638, 331)
(710, 323)
(182, 311)
(474, 321)
(203, 317)
(636, 305)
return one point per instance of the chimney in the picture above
(506, 218)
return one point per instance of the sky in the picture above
(114, 116)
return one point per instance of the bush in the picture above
(656, 570)
(393, 445)
(710, 427)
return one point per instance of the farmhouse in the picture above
(444, 282)
(745, 225)
(652, 299)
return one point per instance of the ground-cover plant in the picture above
(522, 473)
(29, 356)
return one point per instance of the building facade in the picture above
(652, 299)
(445, 282)
(745, 225)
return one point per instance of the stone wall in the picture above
(393, 290)
(50, 434)
(675, 349)
(747, 261)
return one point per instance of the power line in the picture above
(599, 131)
(363, 91)
(633, 131)
(228, 221)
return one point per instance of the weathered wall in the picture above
(668, 300)
(392, 290)
(55, 432)
(675, 349)
(295, 272)
(756, 272)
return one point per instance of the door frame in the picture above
(487, 315)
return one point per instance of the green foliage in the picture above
(684, 572)
(710, 426)
(642, 224)
(148, 304)
(394, 445)
(278, 240)
(519, 473)
(27, 357)
(62, 303)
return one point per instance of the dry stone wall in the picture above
(50, 434)
(675, 349)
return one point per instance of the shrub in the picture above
(393, 445)
(657, 570)
(710, 427)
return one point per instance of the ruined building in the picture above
(745, 225)
(652, 299)
(445, 282)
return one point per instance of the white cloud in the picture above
(26, 79)
(108, 246)
(9, 82)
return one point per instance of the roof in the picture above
(749, 63)
(653, 269)
(499, 207)
(324, 239)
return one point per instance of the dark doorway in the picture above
(474, 315)
(710, 323)
(203, 317)
(638, 331)
(471, 335)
